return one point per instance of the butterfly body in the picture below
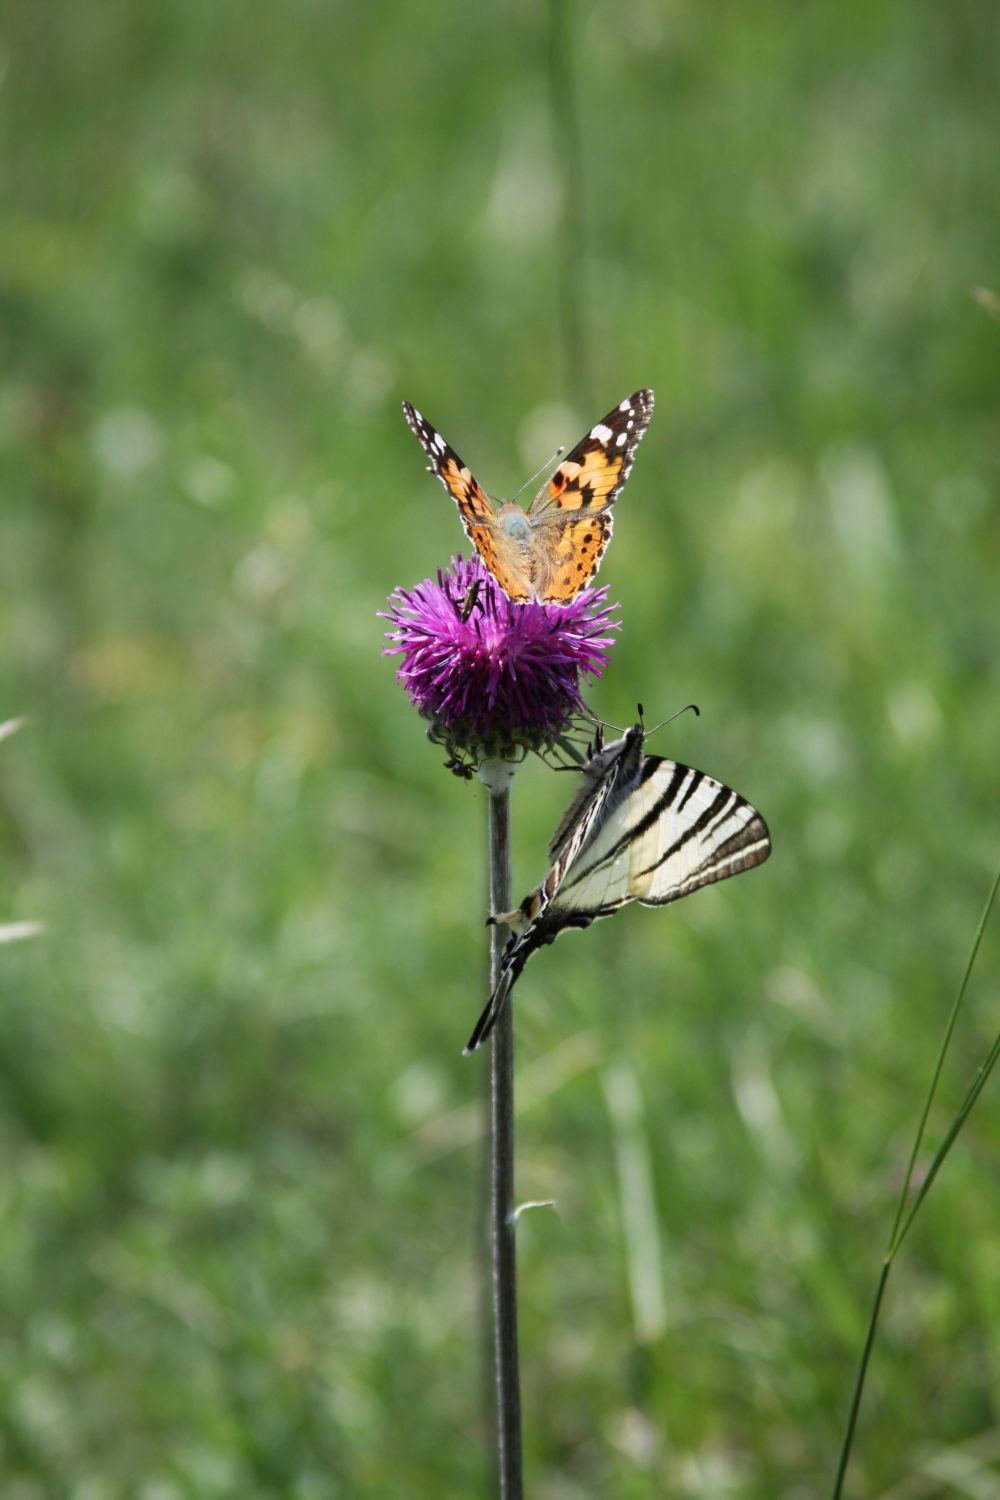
(640, 828)
(512, 521)
(553, 549)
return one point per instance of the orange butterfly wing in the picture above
(572, 512)
(474, 507)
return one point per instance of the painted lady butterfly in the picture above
(553, 549)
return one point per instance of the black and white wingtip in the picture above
(490, 1016)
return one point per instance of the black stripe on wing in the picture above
(748, 846)
(665, 801)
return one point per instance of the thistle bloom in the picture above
(495, 678)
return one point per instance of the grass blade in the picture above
(901, 1226)
(895, 1238)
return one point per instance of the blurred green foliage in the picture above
(241, 1185)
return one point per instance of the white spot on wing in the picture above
(600, 433)
(620, 439)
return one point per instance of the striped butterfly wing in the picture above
(606, 780)
(677, 831)
(668, 832)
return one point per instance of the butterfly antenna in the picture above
(546, 465)
(601, 724)
(688, 708)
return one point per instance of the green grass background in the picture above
(241, 1174)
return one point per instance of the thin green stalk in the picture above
(901, 1226)
(894, 1239)
(966, 1108)
(859, 1382)
(503, 1221)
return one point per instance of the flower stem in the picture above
(503, 1224)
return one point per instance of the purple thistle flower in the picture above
(494, 677)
